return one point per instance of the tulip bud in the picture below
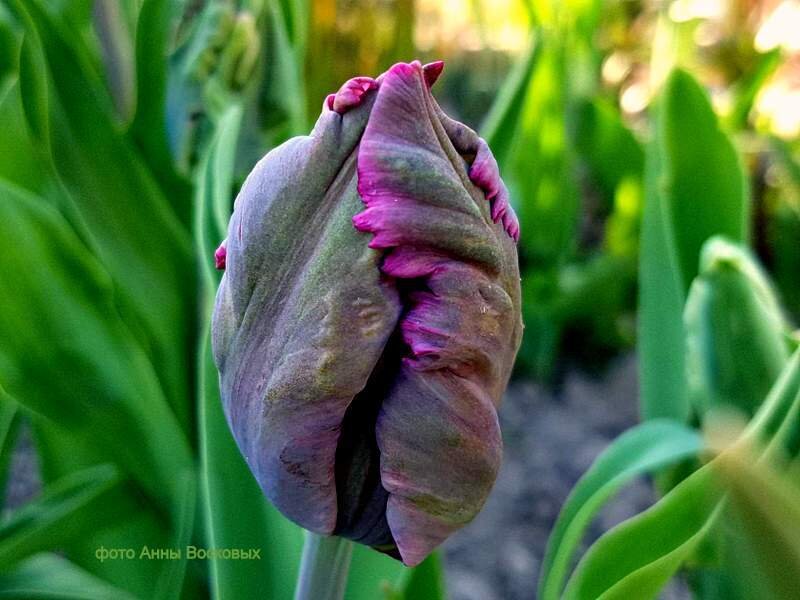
(368, 318)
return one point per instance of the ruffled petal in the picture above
(458, 279)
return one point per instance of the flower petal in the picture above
(458, 279)
(302, 315)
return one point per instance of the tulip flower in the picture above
(369, 316)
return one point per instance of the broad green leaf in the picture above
(50, 577)
(539, 166)
(115, 199)
(33, 84)
(734, 330)
(66, 509)
(235, 510)
(284, 51)
(703, 183)
(661, 342)
(646, 448)
(91, 377)
(694, 188)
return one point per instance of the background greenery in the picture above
(653, 157)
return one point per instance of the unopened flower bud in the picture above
(369, 316)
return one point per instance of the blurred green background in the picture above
(127, 126)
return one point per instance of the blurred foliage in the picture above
(632, 135)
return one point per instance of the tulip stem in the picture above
(323, 568)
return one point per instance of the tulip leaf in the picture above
(638, 557)
(91, 378)
(694, 188)
(646, 448)
(33, 83)
(285, 53)
(235, 510)
(138, 521)
(171, 579)
(65, 509)
(136, 236)
(641, 555)
(20, 163)
(50, 577)
(149, 127)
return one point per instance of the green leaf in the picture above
(734, 329)
(114, 202)
(171, 580)
(116, 45)
(139, 521)
(20, 162)
(50, 577)
(235, 510)
(10, 420)
(704, 185)
(33, 84)
(371, 574)
(638, 557)
(694, 188)
(284, 51)
(91, 377)
(646, 448)
(149, 126)
(66, 509)
(661, 343)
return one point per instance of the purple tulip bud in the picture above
(368, 318)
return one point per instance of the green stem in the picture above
(323, 568)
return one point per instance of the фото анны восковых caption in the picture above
(369, 316)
